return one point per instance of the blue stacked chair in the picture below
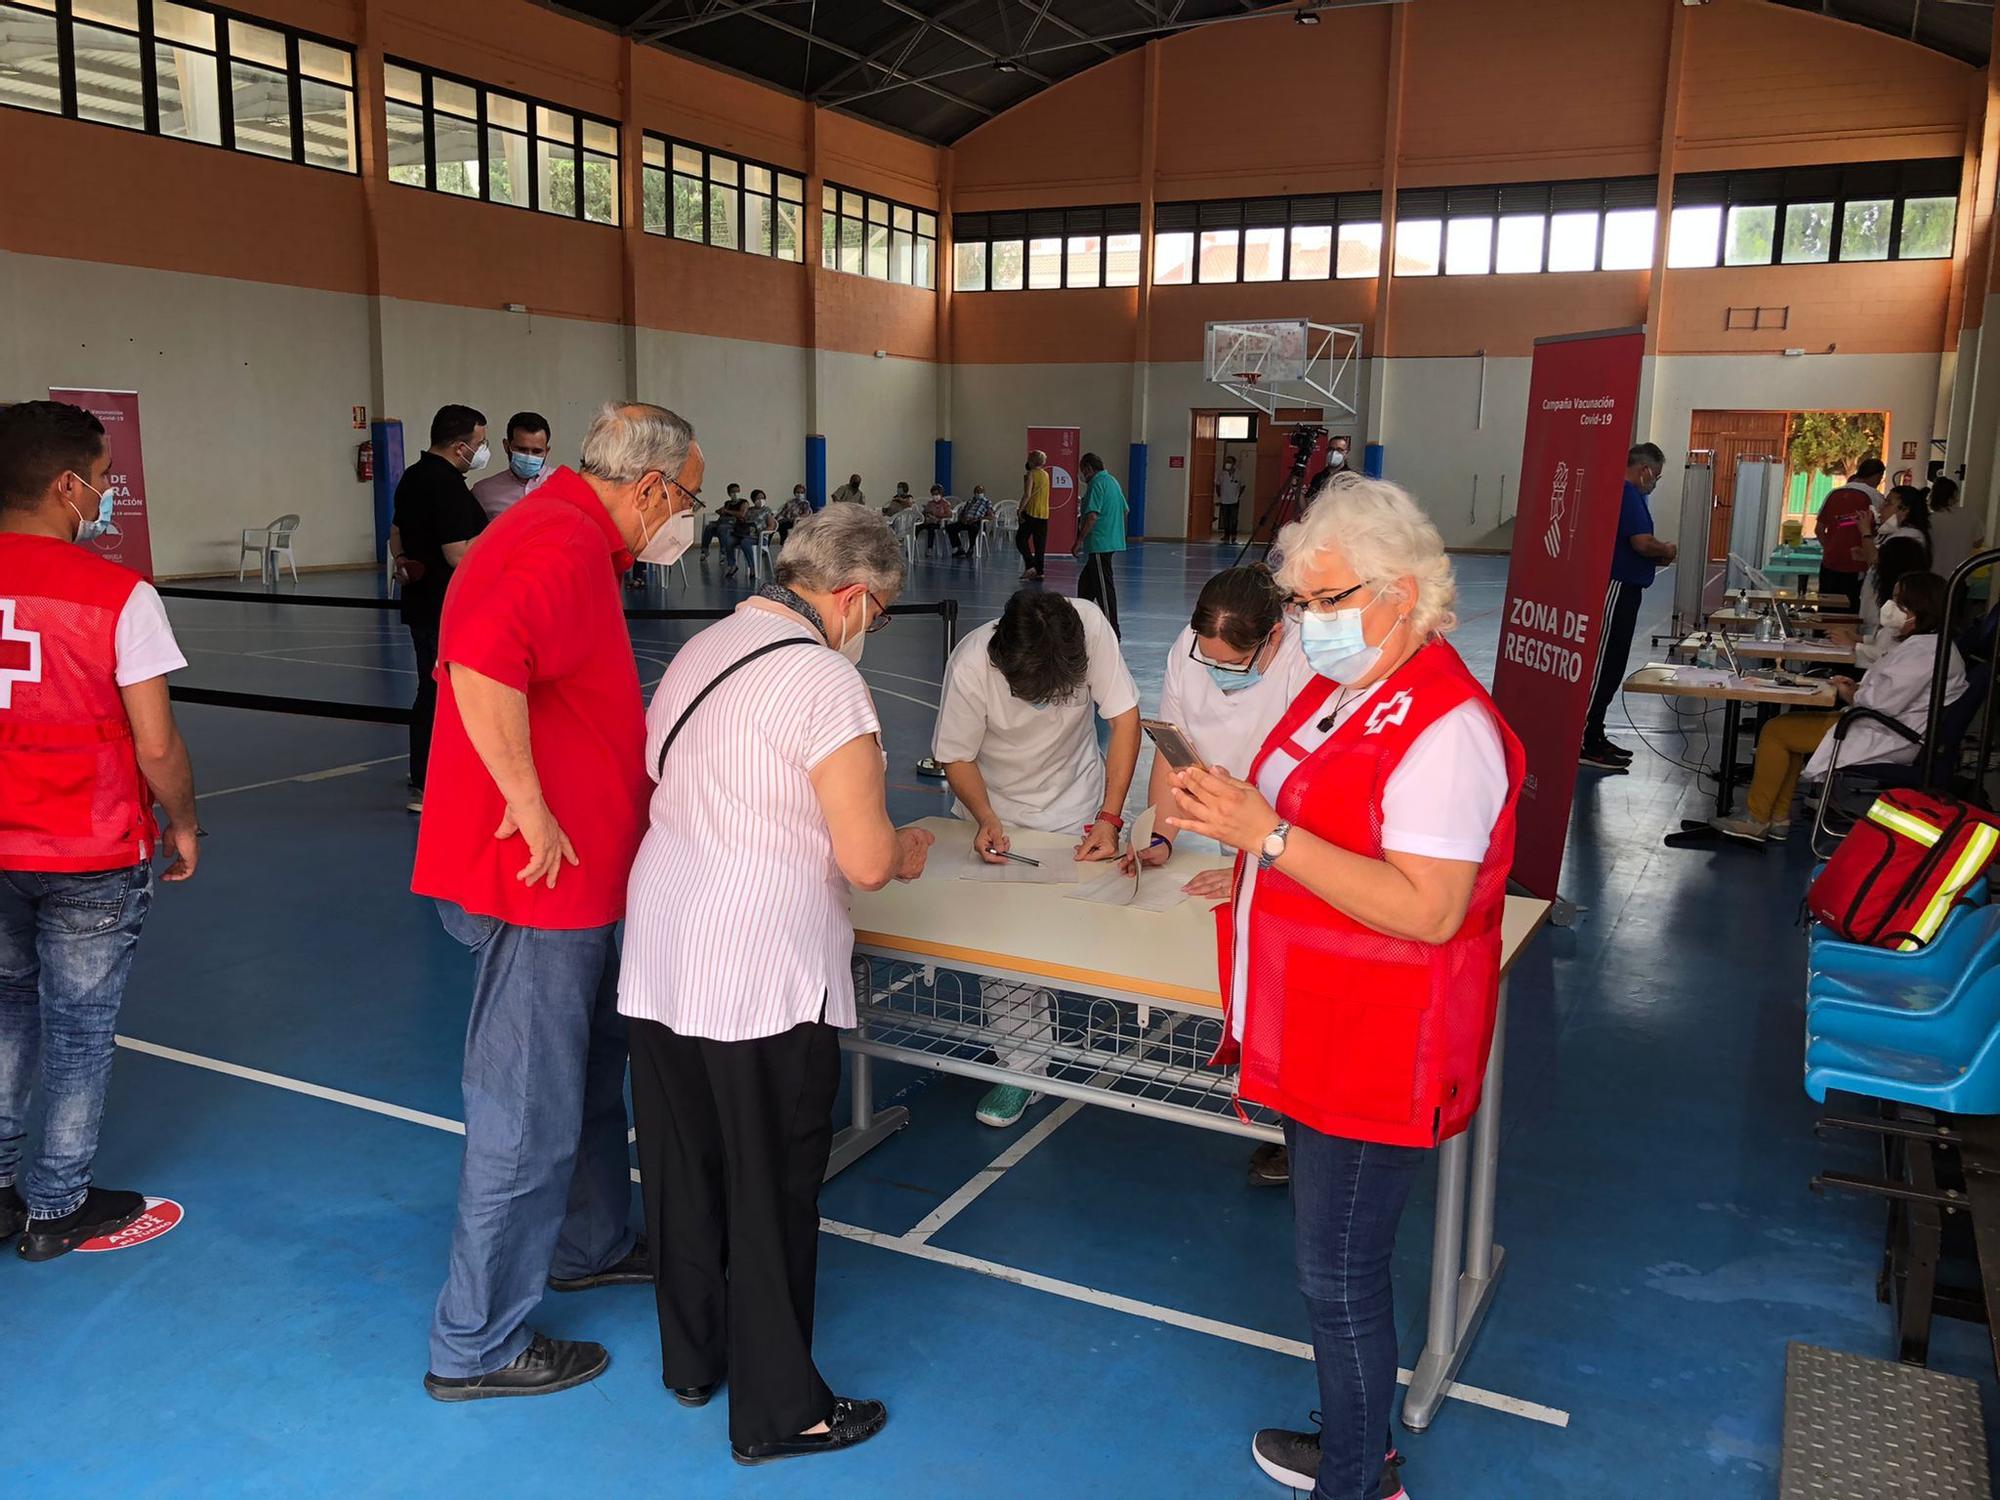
(1919, 1028)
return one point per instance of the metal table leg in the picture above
(1725, 779)
(1465, 1263)
(870, 1127)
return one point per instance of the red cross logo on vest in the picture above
(1390, 711)
(20, 654)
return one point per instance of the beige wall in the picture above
(879, 417)
(245, 392)
(994, 405)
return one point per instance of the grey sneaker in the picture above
(1749, 830)
(1004, 1105)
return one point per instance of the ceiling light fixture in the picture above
(1304, 17)
(1006, 65)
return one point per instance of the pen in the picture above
(1019, 859)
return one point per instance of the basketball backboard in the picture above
(1292, 362)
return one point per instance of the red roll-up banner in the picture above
(1582, 398)
(1064, 446)
(132, 543)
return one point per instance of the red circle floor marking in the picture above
(161, 1215)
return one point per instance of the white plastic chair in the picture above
(1007, 517)
(767, 555)
(904, 526)
(272, 544)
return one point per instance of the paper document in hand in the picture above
(1056, 868)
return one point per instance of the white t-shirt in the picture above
(145, 640)
(1228, 490)
(1228, 729)
(1041, 765)
(1441, 801)
(736, 922)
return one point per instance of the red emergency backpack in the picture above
(1897, 875)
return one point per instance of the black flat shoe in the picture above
(851, 1422)
(103, 1211)
(695, 1395)
(546, 1366)
(635, 1269)
(13, 1212)
(1270, 1166)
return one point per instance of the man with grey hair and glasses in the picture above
(526, 843)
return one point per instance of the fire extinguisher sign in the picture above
(360, 419)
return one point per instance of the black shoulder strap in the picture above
(660, 769)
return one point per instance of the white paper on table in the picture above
(1056, 868)
(1161, 892)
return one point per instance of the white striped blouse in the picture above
(736, 923)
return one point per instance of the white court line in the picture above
(917, 1249)
(992, 1172)
(292, 1085)
(327, 775)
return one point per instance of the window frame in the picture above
(666, 170)
(535, 136)
(1025, 227)
(922, 243)
(146, 35)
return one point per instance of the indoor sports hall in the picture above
(1685, 1236)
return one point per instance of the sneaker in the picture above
(1749, 830)
(1603, 758)
(634, 1268)
(1612, 747)
(13, 1212)
(1292, 1458)
(851, 1422)
(1270, 1166)
(546, 1366)
(1777, 833)
(416, 802)
(1004, 1105)
(101, 1212)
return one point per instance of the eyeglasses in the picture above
(1194, 655)
(1321, 604)
(882, 617)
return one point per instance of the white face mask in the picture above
(481, 457)
(1336, 459)
(1895, 619)
(852, 644)
(666, 545)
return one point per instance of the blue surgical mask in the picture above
(1233, 682)
(1336, 646)
(100, 525)
(526, 465)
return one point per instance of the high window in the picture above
(453, 136)
(1045, 249)
(187, 71)
(693, 193)
(878, 237)
(1905, 210)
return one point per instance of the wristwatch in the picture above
(1274, 846)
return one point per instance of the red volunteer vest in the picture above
(1346, 1029)
(71, 797)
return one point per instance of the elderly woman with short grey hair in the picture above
(1360, 940)
(769, 803)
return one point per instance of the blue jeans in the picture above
(66, 945)
(1347, 1197)
(746, 548)
(546, 1186)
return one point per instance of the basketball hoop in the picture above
(1248, 377)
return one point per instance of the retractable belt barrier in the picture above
(946, 610)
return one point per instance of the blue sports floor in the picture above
(1112, 1318)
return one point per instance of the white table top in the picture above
(1660, 679)
(1038, 930)
(1748, 647)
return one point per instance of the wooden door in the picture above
(1733, 435)
(1201, 478)
(1274, 465)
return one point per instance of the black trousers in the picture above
(1846, 585)
(1228, 514)
(423, 712)
(962, 534)
(1621, 618)
(1095, 584)
(1031, 536)
(733, 1142)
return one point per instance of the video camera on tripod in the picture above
(1305, 442)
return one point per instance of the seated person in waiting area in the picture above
(1898, 685)
(972, 518)
(937, 511)
(1014, 736)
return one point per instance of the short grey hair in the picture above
(1382, 534)
(840, 546)
(628, 439)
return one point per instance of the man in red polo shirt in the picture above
(526, 842)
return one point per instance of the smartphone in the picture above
(1172, 742)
